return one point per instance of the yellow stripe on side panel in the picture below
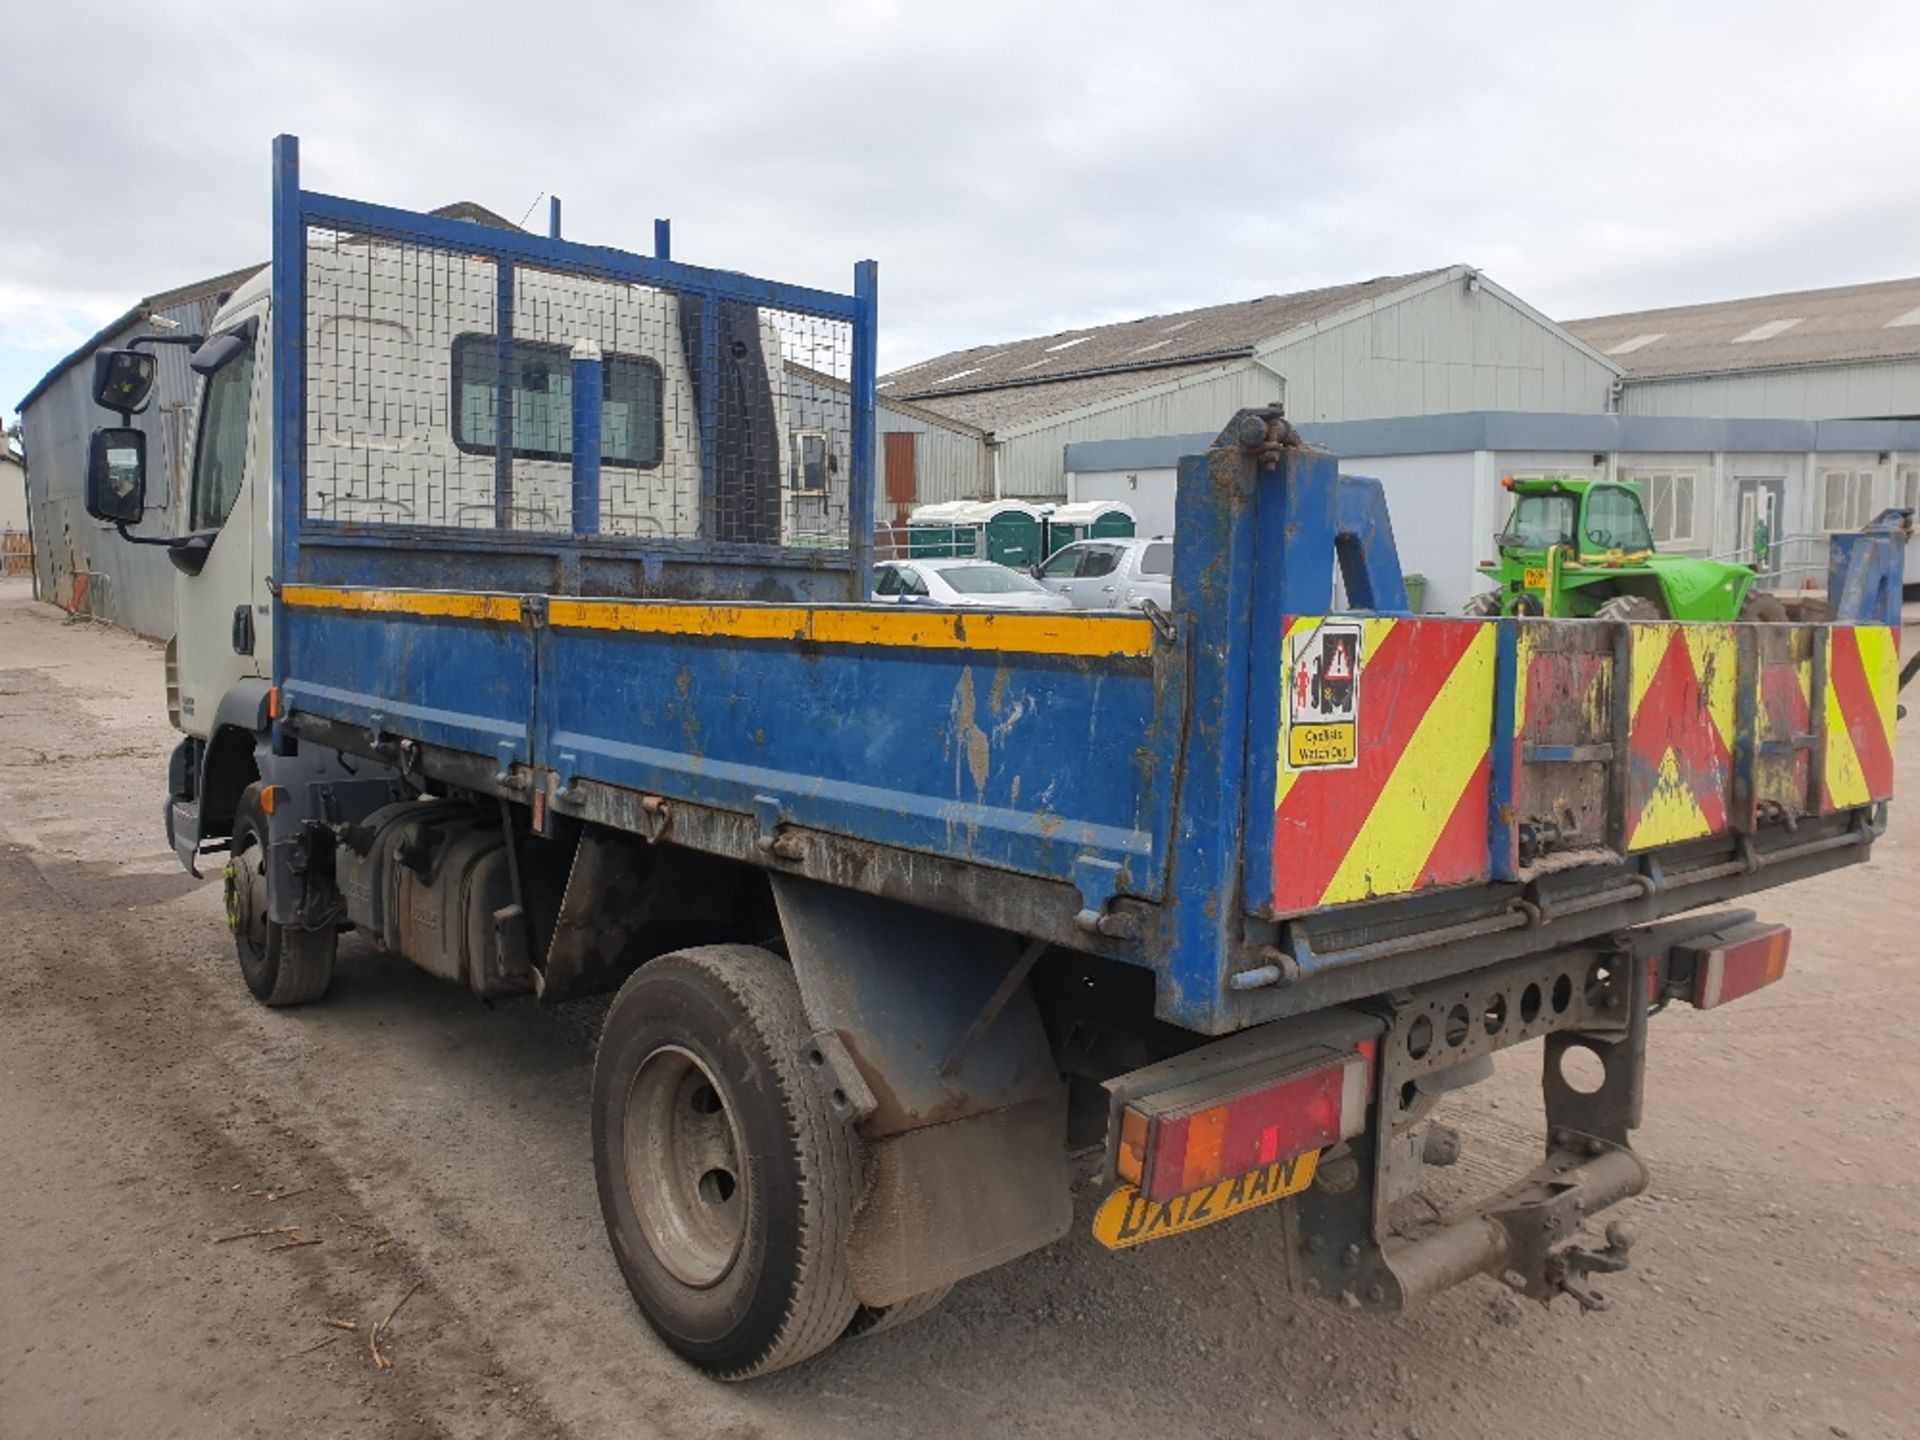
(1421, 795)
(1880, 658)
(444, 604)
(1008, 632)
(1846, 778)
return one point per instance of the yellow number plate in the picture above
(1127, 1218)
(1534, 577)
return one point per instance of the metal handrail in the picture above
(1801, 554)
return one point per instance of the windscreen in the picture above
(1540, 521)
(990, 580)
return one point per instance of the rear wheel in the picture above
(1629, 607)
(282, 964)
(878, 1319)
(728, 1177)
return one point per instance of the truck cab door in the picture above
(221, 624)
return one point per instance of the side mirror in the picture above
(123, 380)
(222, 348)
(117, 475)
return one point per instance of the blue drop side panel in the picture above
(458, 683)
(1019, 761)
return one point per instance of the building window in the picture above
(1910, 487)
(543, 403)
(1669, 499)
(812, 462)
(1846, 499)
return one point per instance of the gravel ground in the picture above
(436, 1149)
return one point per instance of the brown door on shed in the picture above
(902, 485)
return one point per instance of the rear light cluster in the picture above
(1737, 962)
(1170, 1145)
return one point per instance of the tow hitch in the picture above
(1589, 1008)
(1569, 1266)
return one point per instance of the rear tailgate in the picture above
(1415, 753)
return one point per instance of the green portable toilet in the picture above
(943, 531)
(1088, 520)
(1015, 531)
(1006, 531)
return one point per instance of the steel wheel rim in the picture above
(684, 1172)
(246, 897)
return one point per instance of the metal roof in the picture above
(1850, 323)
(997, 386)
(153, 304)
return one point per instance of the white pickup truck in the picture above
(1111, 574)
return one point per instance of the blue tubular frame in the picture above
(334, 552)
(289, 383)
(588, 379)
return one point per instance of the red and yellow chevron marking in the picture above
(1863, 683)
(1413, 812)
(1680, 737)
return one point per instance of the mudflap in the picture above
(1357, 1246)
(932, 1033)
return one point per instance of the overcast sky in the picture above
(1016, 168)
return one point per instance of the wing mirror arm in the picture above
(133, 539)
(196, 341)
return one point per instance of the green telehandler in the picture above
(1582, 548)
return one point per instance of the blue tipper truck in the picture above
(524, 630)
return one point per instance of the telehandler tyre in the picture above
(1629, 607)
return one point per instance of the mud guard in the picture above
(966, 1132)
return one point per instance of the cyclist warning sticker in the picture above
(1323, 696)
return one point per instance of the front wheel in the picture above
(1636, 608)
(728, 1171)
(1482, 604)
(282, 964)
(1762, 608)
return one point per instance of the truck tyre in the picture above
(1629, 607)
(728, 1178)
(877, 1319)
(1482, 604)
(282, 964)
(1763, 608)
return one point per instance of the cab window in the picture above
(1063, 564)
(220, 455)
(1097, 560)
(1541, 521)
(1615, 520)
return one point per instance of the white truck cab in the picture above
(403, 379)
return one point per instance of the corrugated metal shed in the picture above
(1852, 352)
(80, 564)
(1806, 327)
(1430, 343)
(1001, 386)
